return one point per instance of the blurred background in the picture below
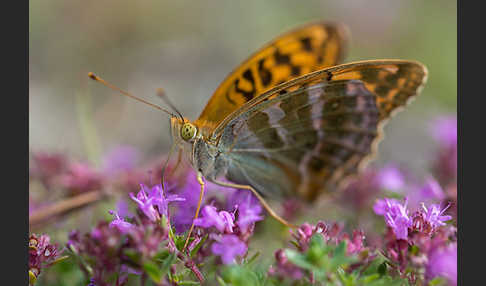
(188, 47)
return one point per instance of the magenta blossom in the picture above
(429, 191)
(391, 178)
(81, 178)
(432, 190)
(444, 130)
(148, 199)
(442, 261)
(434, 216)
(42, 254)
(228, 247)
(222, 221)
(118, 222)
(248, 207)
(396, 216)
(145, 203)
(160, 199)
(47, 166)
(190, 190)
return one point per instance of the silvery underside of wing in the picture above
(303, 142)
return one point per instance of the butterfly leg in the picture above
(260, 198)
(201, 194)
(179, 158)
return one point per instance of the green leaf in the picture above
(153, 272)
(340, 249)
(240, 275)
(188, 283)
(220, 281)
(162, 255)
(60, 259)
(298, 259)
(317, 241)
(414, 250)
(370, 278)
(180, 240)
(167, 263)
(340, 258)
(437, 281)
(253, 258)
(133, 255)
(382, 268)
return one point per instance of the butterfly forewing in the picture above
(295, 53)
(314, 131)
(394, 82)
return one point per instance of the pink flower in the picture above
(249, 209)
(396, 216)
(431, 190)
(162, 201)
(444, 130)
(443, 262)
(145, 204)
(228, 247)
(223, 220)
(434, 216)
(391, 179)
(42, 253)
(81, 178)
(46, 166)
(119, 223)
(148, 199)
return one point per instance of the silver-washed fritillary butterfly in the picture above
(290, 121)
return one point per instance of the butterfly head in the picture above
(188, 131)
(183, 129)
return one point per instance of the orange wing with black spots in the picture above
(295, 53)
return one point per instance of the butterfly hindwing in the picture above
(295, 53)
(304, 138)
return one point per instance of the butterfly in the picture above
(291, 121)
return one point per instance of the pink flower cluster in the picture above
(230, 231)
(425, 230)
(42, 254)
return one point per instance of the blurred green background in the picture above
(188, 47)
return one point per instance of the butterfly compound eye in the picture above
(188, 131)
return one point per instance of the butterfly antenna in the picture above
(161, 93)
(98, 79)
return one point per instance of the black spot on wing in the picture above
(265, 74)
(306, 44)
(295, 70)
(281, 59)
(247, 75)
(228, 98)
